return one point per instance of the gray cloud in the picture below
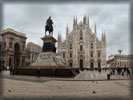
(30, 19)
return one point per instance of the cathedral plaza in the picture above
(82, 71)
(65, 53)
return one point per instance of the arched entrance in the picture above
(99, 64)
(16, 55)
(70, 64)
(10, 62)
(92, 65)
(81, 63)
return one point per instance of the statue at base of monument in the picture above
(49, 26)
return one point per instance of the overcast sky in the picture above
(30, 19)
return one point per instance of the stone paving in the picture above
(15, 88)
(24, 87)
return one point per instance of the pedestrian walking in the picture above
(117, 71)
(122, 72)
(105, 69)
(113, 71)
(108, 74)
(10, 68)
(0, 70)
(99, 70)
(38, 72)
(132, 70)
(13, 70)
(125, 69)
(128, 72)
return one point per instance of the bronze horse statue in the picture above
(49, 26)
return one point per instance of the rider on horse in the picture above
(49, 26)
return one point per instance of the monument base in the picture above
(46, 71)
(48, 63)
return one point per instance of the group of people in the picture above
(126, 71)
(38, 72)
(11, 69)
(121, 71)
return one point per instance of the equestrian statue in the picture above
(49, 26)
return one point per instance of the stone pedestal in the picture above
(49, 44)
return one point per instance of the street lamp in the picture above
(120, 51)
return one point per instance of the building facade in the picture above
(120, 61)
(32, 52)
(1, 55)
(13, 48)
(82, 48)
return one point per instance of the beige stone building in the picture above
(82, 48)
(1, 55)
(32, 52)
(13, 48)
(120, 61)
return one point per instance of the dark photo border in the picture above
(130, 2)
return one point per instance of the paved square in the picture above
(16, 88)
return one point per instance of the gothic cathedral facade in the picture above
(82, 48)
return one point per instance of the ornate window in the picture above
(63, 55)
(4, 44)
(91, 45)
(70, 46)
(70, 55)
(91, 54)
(81, 35)
(81, 47)
(99, 54)
(10, 44)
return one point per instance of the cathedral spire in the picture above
(59, 42)
(88, 22)
(67, 30)
(60, 38)
(84, 20)
(76, 20)
(104, 35)
(95, 30)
